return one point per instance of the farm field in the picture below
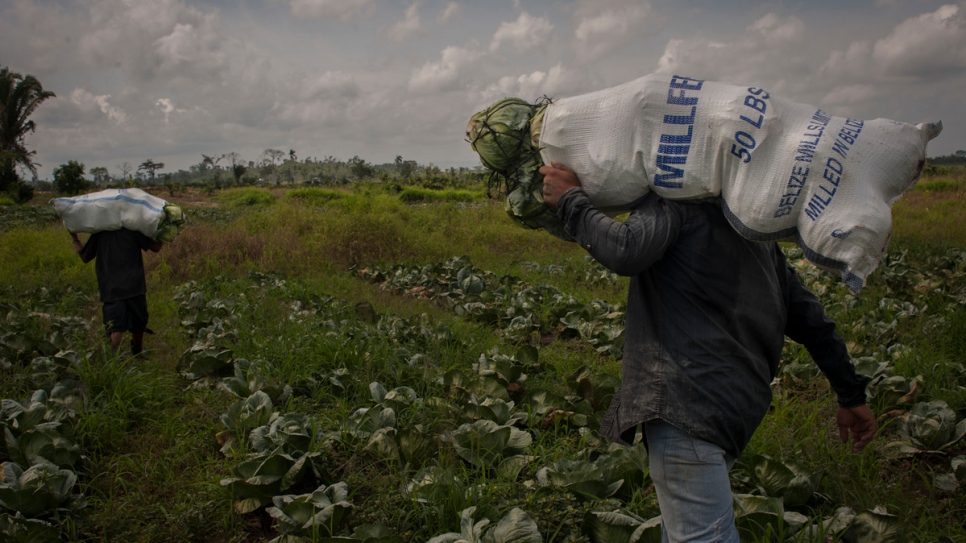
(349, 365)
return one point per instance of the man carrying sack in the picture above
(120, 282)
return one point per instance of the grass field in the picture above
(394, 359)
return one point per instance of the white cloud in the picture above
(331, 9)
(525, 33)
(854, 60)
(768, 49)
(929, 44)
(87, 101)
(150, 40)
(534, 85)
(603, 26)
(167, 107)
(849, 95)
(331, 84)
(409, 26)
(777, 30)
(444, 74)
(450, 12)
(190, 51)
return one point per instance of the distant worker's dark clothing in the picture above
(118, 262)
(707, 313)
(127, 315)
(120, 277)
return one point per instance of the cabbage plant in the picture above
(763, 518)
(487, 444)
(260, 478)
(249, 377)
(629, 464)
(875, 526)
(292, 433)
(241, 418)
(951, 482)
(585, 479)
(516, 527)
(789, 481)
(596, 389)
(464, 385)
(202, 360)
(927, 427)
(308, 517)
(495, 409)
(886, 390)
(42, 444)
(365, 421)
(616, 527)
(17, 528)
(41, 491)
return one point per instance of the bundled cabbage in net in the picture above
(503, 136)
(781, 170)
(171, 224)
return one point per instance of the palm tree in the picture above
(19, 97)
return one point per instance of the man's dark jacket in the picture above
(707, 313)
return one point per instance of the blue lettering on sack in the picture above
(756, 101)
(672, 151)
(847, 136)
(796, 182)
(827, 187)
(811, 137)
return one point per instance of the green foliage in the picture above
(615, 527)
(69, 178)
(516, 527)
(487, 444)
(245, 197)
(419, 195)
(40, 491)
(20, 96)
(311, 516)
(928, 427)
(315, 196)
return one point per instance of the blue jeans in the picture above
(693, 489)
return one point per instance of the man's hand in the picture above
(860, 421)
(77, 241)
(557, 179)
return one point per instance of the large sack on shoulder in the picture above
(114, 209)
(782, 170)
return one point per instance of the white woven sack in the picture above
(783, 170)
(111, 209)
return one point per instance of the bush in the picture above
(18, 192)
(248, 196)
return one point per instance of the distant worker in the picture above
(120, 282)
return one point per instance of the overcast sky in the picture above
(170, 80)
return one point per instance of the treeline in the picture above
(274, 169)
(959, 157)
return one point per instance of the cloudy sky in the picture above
(170, 80)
